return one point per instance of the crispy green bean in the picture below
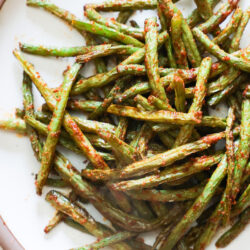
(235, 43)
(166, 195)
(78, 214)
(193, 54)
(179, 87)
(54, 127)
(230, 28)
(199, 96)
(168, 175)
(124, 153)
(121, 5)
(230, 165)
(176, 35)
(151, 58)
(13, 124)
(108, 241)
(155, 116)
(235, 230)
(107, 50)
(61, 52)
(80, 25)
(169, 157)
(105, 78)
(205, 9)
(218, 17)
(168, 43)
(215, 50)
(56, 219)
(86, 190)
(68, 122)
(123, 16)
(109, 98)
(198, 207)
(243, 151)
(93, 15)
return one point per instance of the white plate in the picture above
(25, 213)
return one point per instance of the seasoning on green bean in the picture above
(68, 122)
(151, 58)
(215, 50)
(55, 127)
(80, 25)
(235, 230)
(230, 165)
(199, 96)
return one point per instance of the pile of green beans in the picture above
(149, 138)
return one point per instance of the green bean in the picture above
(123, 16)
(235, 230)
(125, 5)
(192, 51)
(230, 165)
(243, 151)
(55, 127)
(106, 51)
(143, 101)
(176, 214)
(143, 210)
(145, 135)
(214, 221)
(232, 101)
(194, 18)
(176, 33)
(28, 104)
(78, 214)
(179, 87)
(169, 157)
(168, 43)
(218, 17)
(198, 207)
(51, 182)
(99, 62)
(214, 49)
(61, 52)
(68, 122)
(155, 116)
(93, 126)
(219, 96)
(110, 97)
(85, 190)
(93, 15)
(13, 124)
(199, 96)
(124, 153)
(68, 221)
(235, 43)
(151, 58)
(223, 81)
(242, 203)
(166, 195)
(164, 177)
(83, 105)
(108, 241)
(204, 8)
(105, 78)
(121, 129)
(230, 28)
(172, 174)
(91, 27)
(56, 219)
(159, 104)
